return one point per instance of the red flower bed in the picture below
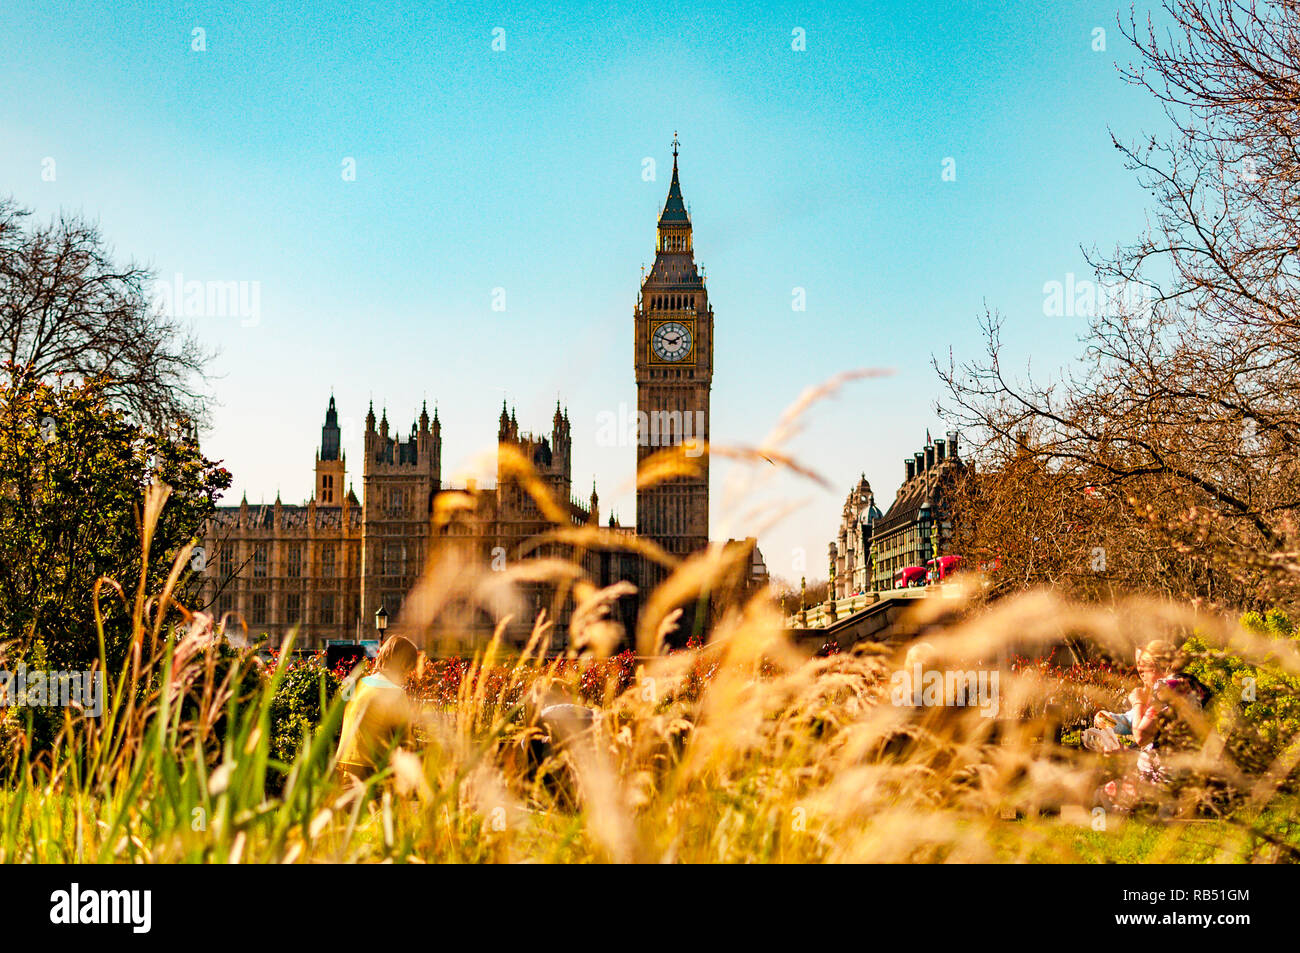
(443, 679)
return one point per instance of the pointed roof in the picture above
(674, 212)
(330, 434)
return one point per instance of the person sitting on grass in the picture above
(1110, 726)
(1171, 720)
(553, 723)
(379, 715)
(1161, 705)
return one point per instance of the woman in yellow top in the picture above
(379, 715)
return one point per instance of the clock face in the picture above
(671, 341)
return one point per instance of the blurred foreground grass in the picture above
(741, 750)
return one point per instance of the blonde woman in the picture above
(1165, 691)
(379, 714)
(1139, 722)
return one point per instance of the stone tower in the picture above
(400, 478)
(331, 462)
(551, 457)
(673, 346)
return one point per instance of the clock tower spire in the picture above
(673, 343)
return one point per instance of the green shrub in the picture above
(1256, 708)
(298, 707)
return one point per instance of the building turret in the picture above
(562, 444)
(503, 424)
(331, 461)
(331, 434)
(435, 446)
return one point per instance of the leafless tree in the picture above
(67, 308)
(1187, 407)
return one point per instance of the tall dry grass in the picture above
(745, 749)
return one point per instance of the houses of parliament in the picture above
(327, 566)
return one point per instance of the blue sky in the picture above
(522, 169)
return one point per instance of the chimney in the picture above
(929, 457)
(919, 457)
(911, 469)
(939, 450)
(952, 444)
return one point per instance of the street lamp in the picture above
(381, 622)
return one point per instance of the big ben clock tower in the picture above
(674, 372)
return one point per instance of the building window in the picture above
(327, 488)
(292, 608)
(226, 561)
(396, 502)
(394, 559)
(293, 561)
(327, 561)
(259, 561)
(259, 608)
(327, 609)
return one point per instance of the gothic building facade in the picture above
(873, 548)
(327, 566)
(277, 566)
(850, 554)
